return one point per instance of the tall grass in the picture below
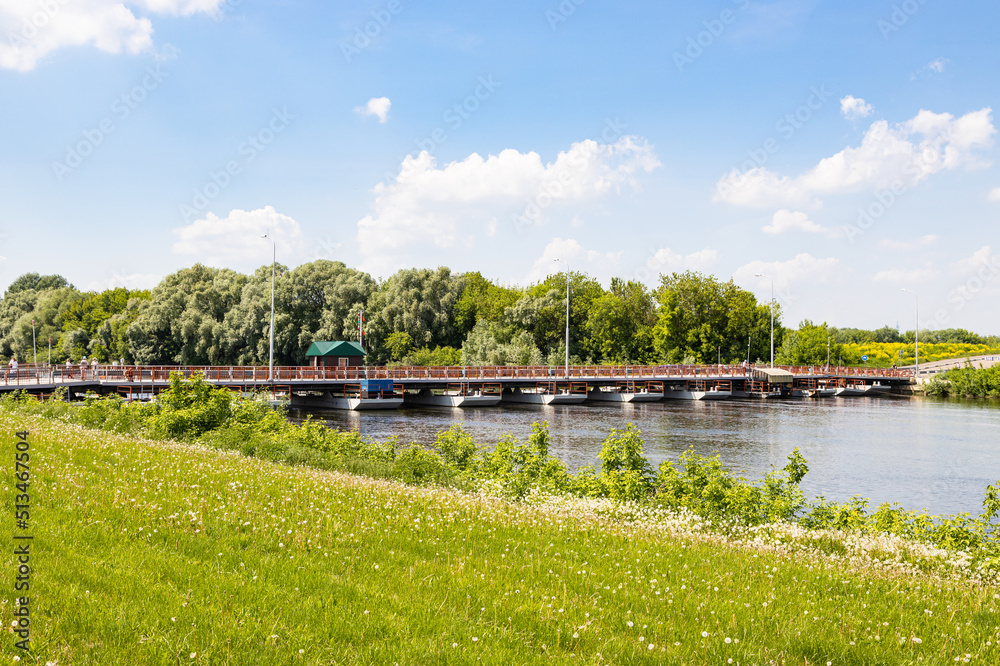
(152, 552)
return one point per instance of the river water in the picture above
(921, 453)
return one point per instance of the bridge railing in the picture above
(236, 375)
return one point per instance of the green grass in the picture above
(155, 553)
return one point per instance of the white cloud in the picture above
(983, 257)
(930, 69)
(579, 259)
(855, 108)
(376, 106)
(666, 261)
(787, 220)
(928, 272)
(236, 238)
(35, 29)
(127, 280)
(937, 65)
(429, 207)
(890, 244)
(904, 154)
(994, 194)
(788, 276)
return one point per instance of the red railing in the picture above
(236, 375)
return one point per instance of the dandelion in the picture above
(651, 646)
(704, 634)
(629, 623)
(474, 639)
(728, 639)
(194, 654)
(301, 651)
(918, 641)
(576, 634)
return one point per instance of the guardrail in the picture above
(236, 375)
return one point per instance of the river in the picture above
(921, 453)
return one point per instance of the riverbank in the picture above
(155, 552)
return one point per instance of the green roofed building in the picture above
(340, 354)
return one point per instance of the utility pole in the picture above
(772, 313)
(567, 315)
(270, 354)
(34, 348)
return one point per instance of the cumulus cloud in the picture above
(803, 269)
(126, 279)
(788, 220)
(428, 206)
(890, 244)
(855, 108)
(36, 29)
(236, 238)
(376, 106)
(666, 261)
(904, 154)
(937, 65)
(930, 69)
(578, 258)
(907, 275)
(983, 257)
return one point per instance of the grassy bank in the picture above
(157, 553)
(968, 382)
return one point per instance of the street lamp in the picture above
(270, 355)
(916, 333)
(567, 315)
(772, 313)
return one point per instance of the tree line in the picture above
(216, 316)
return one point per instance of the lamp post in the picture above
(772, 313)
(567, 315)
(916, 334)
(270, 354)
(34, 348)
(828, 353)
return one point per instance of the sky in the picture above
(835, 152)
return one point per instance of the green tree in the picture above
(316, 301)
(481, 299)
(620, 324)
(36, 282)
(419, 302)
(183, 320)
(703, 319)
(808, 346)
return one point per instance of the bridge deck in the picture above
(110, 378)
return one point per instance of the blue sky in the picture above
(846, 150)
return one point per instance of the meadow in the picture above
(153, 551)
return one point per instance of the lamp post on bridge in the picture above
(270, 354)
(772, 313)
(916, 334)
(567, 315)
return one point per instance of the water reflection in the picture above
(933, 454)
